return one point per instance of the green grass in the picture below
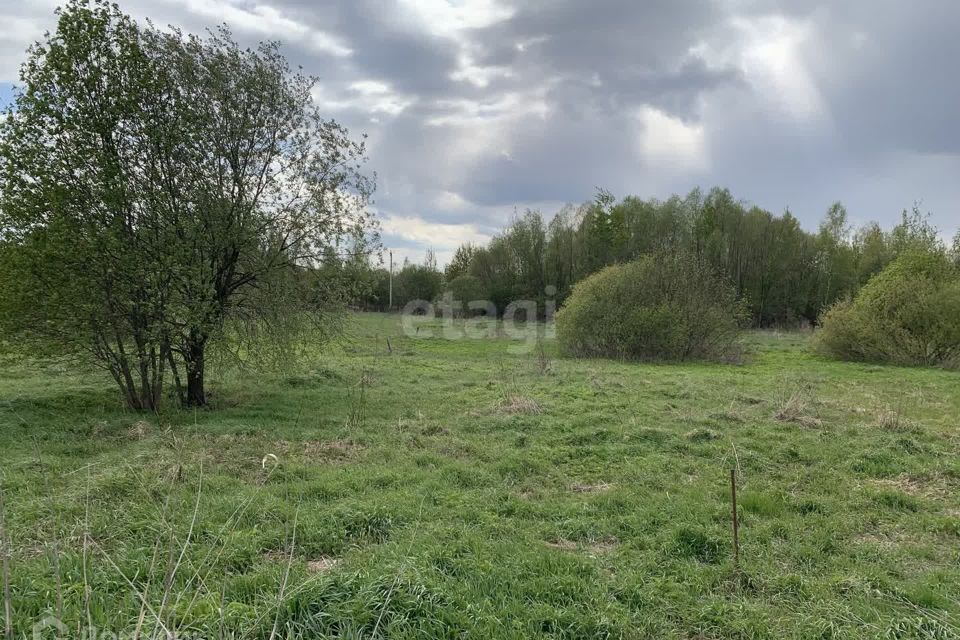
(454, 489)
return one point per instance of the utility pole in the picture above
(390, 305)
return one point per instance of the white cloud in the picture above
(449, 19)
(23, 24)
(450, 201)
(668, 142)
(509, 106)
(372, 97)
(478, 76)
(475, 130)
(772, 60)
(524, 45)
(370, 87)
(441, 236)
(768, 50)
(446, 18)
(266, 20)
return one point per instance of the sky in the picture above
(477, 110)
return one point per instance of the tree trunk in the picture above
(178, 385)
(196, 396)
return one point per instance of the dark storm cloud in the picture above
(894, 86)
(478, 108)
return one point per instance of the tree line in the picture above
(785, 274)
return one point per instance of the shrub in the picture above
(661, 307)
(908, 314)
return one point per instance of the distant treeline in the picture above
(786, 274)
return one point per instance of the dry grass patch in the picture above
(799, 406)
(598, 487)
(890, 420)
(140, 430)
(517, 404)
(329, 450)
(728, 416)
(322, 564)
(889, 538)
(593, 548)
(933, 486)
(702, 435)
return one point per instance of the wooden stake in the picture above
(736, 525)
(5, 552)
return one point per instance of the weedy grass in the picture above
(448, 489)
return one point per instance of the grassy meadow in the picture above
(429, 488)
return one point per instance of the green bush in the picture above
(661, 307)
(908, 314)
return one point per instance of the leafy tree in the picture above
(914, 233)
(597, 232)
(873, 251)
(460, 263)
(560, 263)
(164, 193)
(463, 290)
(493, 265)
(525, 240)
(837, 264)
(417, 282)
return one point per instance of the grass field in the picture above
(448, 489)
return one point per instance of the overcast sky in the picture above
(479, 108)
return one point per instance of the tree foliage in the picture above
(165, 193)
(463, 290)
(417, 282)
